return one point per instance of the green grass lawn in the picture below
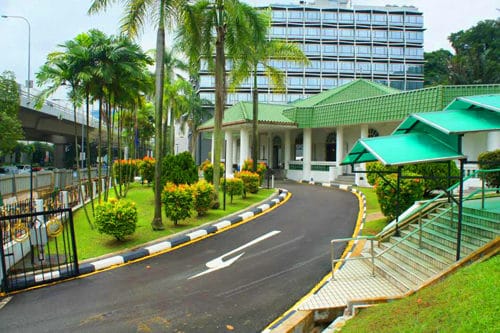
(467, 301)
(91, 244)
(371, 228)
(372, 205)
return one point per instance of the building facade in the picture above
(343, 42)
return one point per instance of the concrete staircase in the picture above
(414, 257)
(346, 179)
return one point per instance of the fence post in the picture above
(94, 189)
(64, 199)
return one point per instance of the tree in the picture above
(437, 67)
(161, 13)
(233, 23)
(477, 51)
(261, 50)
(10, 125)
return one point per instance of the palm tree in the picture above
(261, 51)
(233, 22)
(161, 12)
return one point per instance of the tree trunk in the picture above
(157, 223)
(255, 121)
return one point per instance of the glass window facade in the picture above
(383, 44)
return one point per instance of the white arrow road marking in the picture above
(218, 263)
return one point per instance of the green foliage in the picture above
(477, 51)
(250, 180)
(208, 171)
(202, 196)
(147, 169)
(437, 67)
(179, 169)
(411, 190)
(490, 160)
(234, 186)
(261, 168)
(10, 125)
(116, 218)
(178, 201)
(438, 172)
(124, 171)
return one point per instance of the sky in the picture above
(56, 21)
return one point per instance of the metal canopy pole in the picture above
(460, 206)
(398, 205)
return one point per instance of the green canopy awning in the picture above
(401, 149)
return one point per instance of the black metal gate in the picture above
(37, 248)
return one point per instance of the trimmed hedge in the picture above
(250, 180)
(178, 201)
(234, 186)
(202, 196)
(208, 171)
(179, 169)
(147, 169)
(116, 218)
(490, 160)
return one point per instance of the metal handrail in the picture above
(419, 230)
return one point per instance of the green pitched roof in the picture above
(384, 108)
(242, 112)
(353, 90)
(488, 102)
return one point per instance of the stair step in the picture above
(394, 277)
(478, 230)
(467, 236)
(439, 261)
(474, 217)
(417, 261)
(404, 267)
(443, 240)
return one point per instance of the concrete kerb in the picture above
(288, 321)
(181, 239)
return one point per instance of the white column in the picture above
(287, 149)
(339, 149)
(244, 145)
(306, 149)
(212, 149)
(269, 144)
(493, 141)
(229, 154)
(360, 178)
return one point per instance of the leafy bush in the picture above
(179, 169)
(202, 196)
(373, 177)
(178, 201)
(147, 169)
(208, 171)
(411, 190)
(124, 171)
(490, 160)
(234, 186)
(261, 168)
(250, 180)
(116, 218)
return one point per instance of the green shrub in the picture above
(179, 169)
(178, 201)
(124, 171)
(147, 169)
(208, 171)
(202, 196)
(411, 190)
(250, 180)
(373, 177)
(234, 186)
(261, 168)
(490, 160)
(116, 218)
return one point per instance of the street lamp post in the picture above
(29, 48)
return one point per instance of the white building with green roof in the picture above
(309, 138)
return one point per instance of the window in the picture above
(380, 67)
(329, 83)
(346, 33)
(410, 85)
(263, 98)
(295, 32)
(396, 35)
(413, 52)
(363, 34)
(372, 132)
(279, 15)
(329, 17)
(312, 32)
(380, 51)
(363, 67)
(278, 98)
(299, 144)
(278, 32)
(346, 50)
(207, 81)
(314, 64)
(379, 35)
(329, 49)
(312, 15)
(363, 51)
(262, 81)
(346, 66)
(395, 19)
(344, 81)
(331, 146)
(294, 66)
(398, 85)
(363, 18)
(312, 82)
(295, 15)
(414, 69)
(346, 17)
(329, 33)
(312, 48)
(295, 82)
(414, 36)
(397, 52)
(329, 65)
(397, 69)
(379, 18)
(414, 19)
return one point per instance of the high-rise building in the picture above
(343, 42)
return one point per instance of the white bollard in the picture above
(272, 181)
